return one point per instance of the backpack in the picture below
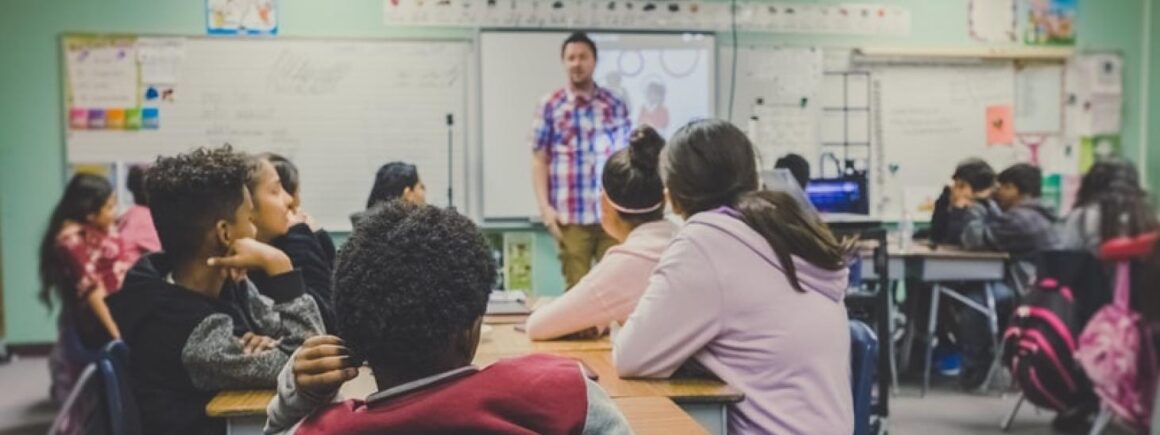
(1116, 351)
(1039, 344)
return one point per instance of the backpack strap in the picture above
(1123, 274)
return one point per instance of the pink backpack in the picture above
(1115, 349)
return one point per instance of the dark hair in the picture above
(578, 37)
(287, 172)
(1025, 177)
(631, 179)
(85, 194)
(1114, 185)
(798, 166)
(135, 182)
(711, 164)
(410, 280)
(189, 193)
(976, 173)
(391, 180)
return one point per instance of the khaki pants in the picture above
(580, 246)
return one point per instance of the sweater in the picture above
(311, 257)
(610, 291)
(185, 347)
(527, 395)
(721, 298)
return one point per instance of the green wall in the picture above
(31, 149)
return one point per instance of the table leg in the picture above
(245, 425)
(714, 417)
(931, 329)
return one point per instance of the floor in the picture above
(25, 409)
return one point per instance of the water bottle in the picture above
(905, 232)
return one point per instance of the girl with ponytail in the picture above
(632, 212)
(751, 289)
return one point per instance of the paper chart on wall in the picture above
(779, 130)
(1039, 98)
(103, 75)
(241, 17)
(992, 20)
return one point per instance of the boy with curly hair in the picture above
(411, 287)
(194, 324)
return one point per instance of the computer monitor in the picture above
(839, 195)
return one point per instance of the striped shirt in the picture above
(579, 134)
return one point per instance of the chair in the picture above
(84, 411)
(113, 364)
(863, 357)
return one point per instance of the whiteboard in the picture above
(338, 109)
(930, 118)
(517, 69)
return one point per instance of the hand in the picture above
(961, 195)
(247, 253)
(253, 343)
(552, 222)
(301, 217)
(322, 365)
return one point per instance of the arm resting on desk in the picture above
(677, 316)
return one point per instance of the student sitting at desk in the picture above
(136, 224)
(281, 222)
(193, 323)
(1016, 222)
(632, 212)
(1110, 188)
(395, 180)
(411, 287)
(972, 182)
(751, 289)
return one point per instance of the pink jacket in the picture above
(720, 297)
(610, 290)
(136, 229)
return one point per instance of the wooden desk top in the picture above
(506, 340)
(923, 249)
(657, 415)
(243, 403)
(646, 415)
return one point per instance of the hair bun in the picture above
(644, 148)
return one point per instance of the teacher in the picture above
(576, 129)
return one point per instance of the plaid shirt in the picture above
(580, 134)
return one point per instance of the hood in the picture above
(1035, 205)
(830, 283)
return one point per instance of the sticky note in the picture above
(150, 118)
(96, 119)
(115, 119)
(78, 118)
(1000, 125)
(132, 119)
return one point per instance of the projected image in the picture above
(664, 84)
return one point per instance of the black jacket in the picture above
(184, 347)
(312, 254)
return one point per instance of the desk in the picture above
(504, 339)
(245, 413)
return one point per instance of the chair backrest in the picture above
(863, 360)
(84, 411)
(113, 364)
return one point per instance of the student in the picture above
(797, 166)
(751, 289)
(1110, 188)
(973, 181)
(273, 182)
(82, 260)
(411, 288)
(395, 180)
(1016, 222)
(632, 212)
(136, 224)
(194, 324)
(291, 182)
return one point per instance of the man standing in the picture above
(576, 129)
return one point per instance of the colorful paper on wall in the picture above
(160, 59)
(102, 73)
(1039, 99)
(1050, 22)
(1000, 125)
(1095, 148)
(518, 253)
(242, 17)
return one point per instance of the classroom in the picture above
(581, 216)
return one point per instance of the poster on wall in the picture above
(241, 17)
(992, 20)
(1050, 22)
